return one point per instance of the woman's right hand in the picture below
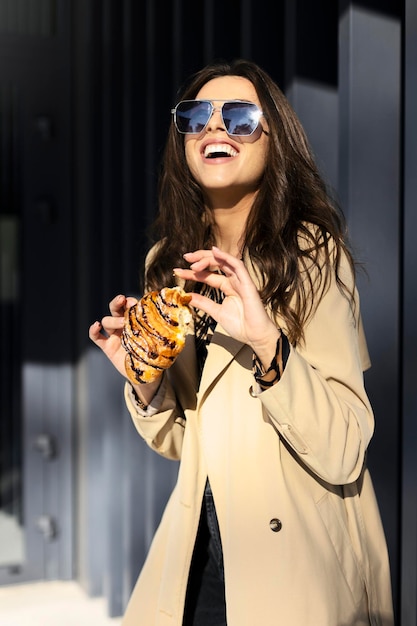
(110, 340)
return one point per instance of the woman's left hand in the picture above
(242, 313)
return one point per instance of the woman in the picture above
(273, 519)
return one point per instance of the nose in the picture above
(216, 120)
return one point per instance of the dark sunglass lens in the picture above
(240, 118)
(192, 116)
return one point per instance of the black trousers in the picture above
(205, 601)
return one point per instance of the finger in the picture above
(94, 331)
(201, 259)
(196, 255)
(213, 279)
(96, 335)
(111, 324)
(130, 301)
(117, 305)
(236, 270)
(229, 263)
(213, 309)
(217, 260)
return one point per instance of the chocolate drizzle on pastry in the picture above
(154, 333)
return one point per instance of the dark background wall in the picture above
(98, 87)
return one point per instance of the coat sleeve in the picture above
(162, 426)
(320, 406)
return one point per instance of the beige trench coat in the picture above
(295, 453)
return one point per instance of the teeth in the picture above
(219, 147)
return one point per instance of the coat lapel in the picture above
(222, 348)
(221, 351)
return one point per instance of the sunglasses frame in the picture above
(220, 109)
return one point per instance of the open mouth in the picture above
(216, 151)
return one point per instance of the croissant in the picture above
(154, 333)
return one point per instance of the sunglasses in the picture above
(240, 118)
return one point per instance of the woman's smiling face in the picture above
(221, 163)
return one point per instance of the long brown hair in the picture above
(293, 225)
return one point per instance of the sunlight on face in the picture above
(226, 165)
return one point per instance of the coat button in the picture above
(275, 525)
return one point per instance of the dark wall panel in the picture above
(35, 53)
(408, 580)
(370, 186)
